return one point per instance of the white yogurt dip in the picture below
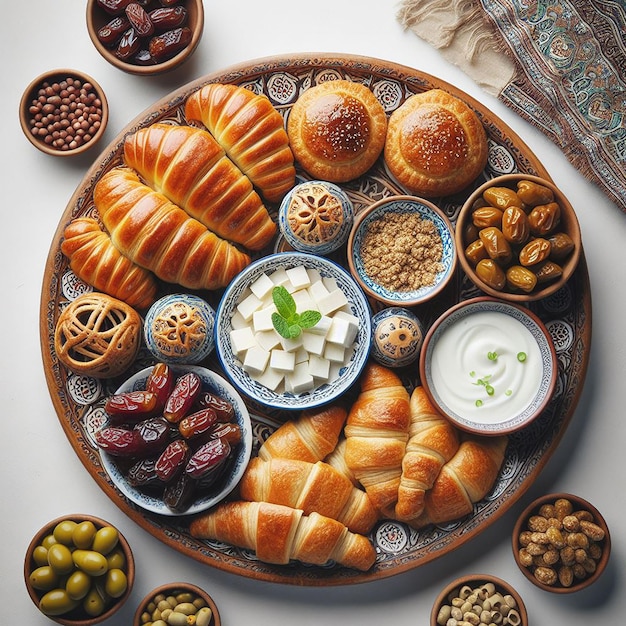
(486, 367)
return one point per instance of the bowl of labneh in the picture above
(488, 365)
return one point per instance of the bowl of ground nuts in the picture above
(561, 543)
(177, 603)
(479, 599)
(518, 238)
(63, 112)
(147, 37)
(401, 250)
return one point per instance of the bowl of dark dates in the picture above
(145, 37)
(176, 439)
(518, 238)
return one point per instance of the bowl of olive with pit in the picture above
(79, 570)
(518, 238)
(147, 37)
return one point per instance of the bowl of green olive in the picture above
(518, 238)
(79, 570)
(561, 543)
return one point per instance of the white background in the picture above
(43, 478)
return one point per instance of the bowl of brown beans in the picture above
(63, 112)
(518, 238)
(79, 570)
(561, 543)
(401, 250)
(478, 599)
(177, 603)
(145, 37)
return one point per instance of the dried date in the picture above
(197, 423)
(172, 460)
(222, 407)
(182, 398)
(139, 19)
(179, 494)
(166, 18)
(111, 33)
(168, 44)
(129, 44)
(118, 441)
(161, 382)
(143, 473)
(113, 7)
(153, 435)
(132, 406)
(205, 462)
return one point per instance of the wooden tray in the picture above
(78, 400)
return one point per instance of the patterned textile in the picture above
(569, 71)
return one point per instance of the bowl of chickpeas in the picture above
(177, 603)
(518, 238)
(561, 543)
(478, 599)
(79, 570)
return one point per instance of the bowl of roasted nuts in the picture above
(561, 543)
(518, 238)
(177, 603)
(175, 439)
(63, 112)
(479, 599)
(79, 570)
(147, 37)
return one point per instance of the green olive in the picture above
(40, 555)
(93, 604)
(90, 561)
(56, 602)
(48, 540)
(44, 578)
(63, 532)
(115, 583)
(105, 540)
(60, 558)
(83, 535)
(116, 558)
(78, 585)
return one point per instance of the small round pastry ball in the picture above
(337, 130)
(97, 335)
(178, 329)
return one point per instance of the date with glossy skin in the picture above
(166, 18)
(129, 45)
(197, 423)
(113, 7)
(143, 473)
(179, 494)
(205, 463)
(170, 3)
(153, 435)
(227, 431)
(172, 460)
(170, 43)
(112, 32)
(139, 19)
(118, 441)
(223, 408)
(132, 406)
(182, 398)
(161, 382)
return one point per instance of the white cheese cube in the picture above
(267, 339)
(237, 321)
(342, 331)
(298, 276)
(242, 339)
(319, 367)
(346, 315)
(335, 371)
(301, 355)
(262, 286)
(270, 378)
(303, 301)
(322, 327)
(335, 352)
(332, 302)
(330, 283)
(262, 319)
(314, 275)
(317, 290)
(282, 360)
(248, 306)
(291, 345)
(256, 360)
(280, 277)
(300, 380)
(313, 343)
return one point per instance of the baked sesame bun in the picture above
(337, 130)
(435, 145)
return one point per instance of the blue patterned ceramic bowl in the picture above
(348, 370)
(316, 217)
(389, 274)
(219, 386)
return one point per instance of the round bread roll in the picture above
(97, 335)
(435, 145)
(337, 130)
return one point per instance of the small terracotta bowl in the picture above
(140, 62)
(46, 121)
(483, 588)
(56, 607)
(173, 593)
(519, 286)
(550, 510)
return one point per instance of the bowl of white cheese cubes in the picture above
(293, 331)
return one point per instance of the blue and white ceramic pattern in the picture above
(219, 386)
(403, 205)
(397, 337)
(316, 217)
(358, 305)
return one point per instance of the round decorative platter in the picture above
(79, 400)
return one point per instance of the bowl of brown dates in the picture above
(561, 543)
(518, 238)
(176, 439)
(145, 37)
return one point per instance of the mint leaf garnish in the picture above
(287, 322)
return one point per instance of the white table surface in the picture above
(42, 476)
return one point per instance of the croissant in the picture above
(376, 433)
(310, 437)
(433, 440)
(251, 131)
(337, 459)
(94, 259)
(464, 480)
(311, 487)
(188, 166)
(158, 235)
(279, 534)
